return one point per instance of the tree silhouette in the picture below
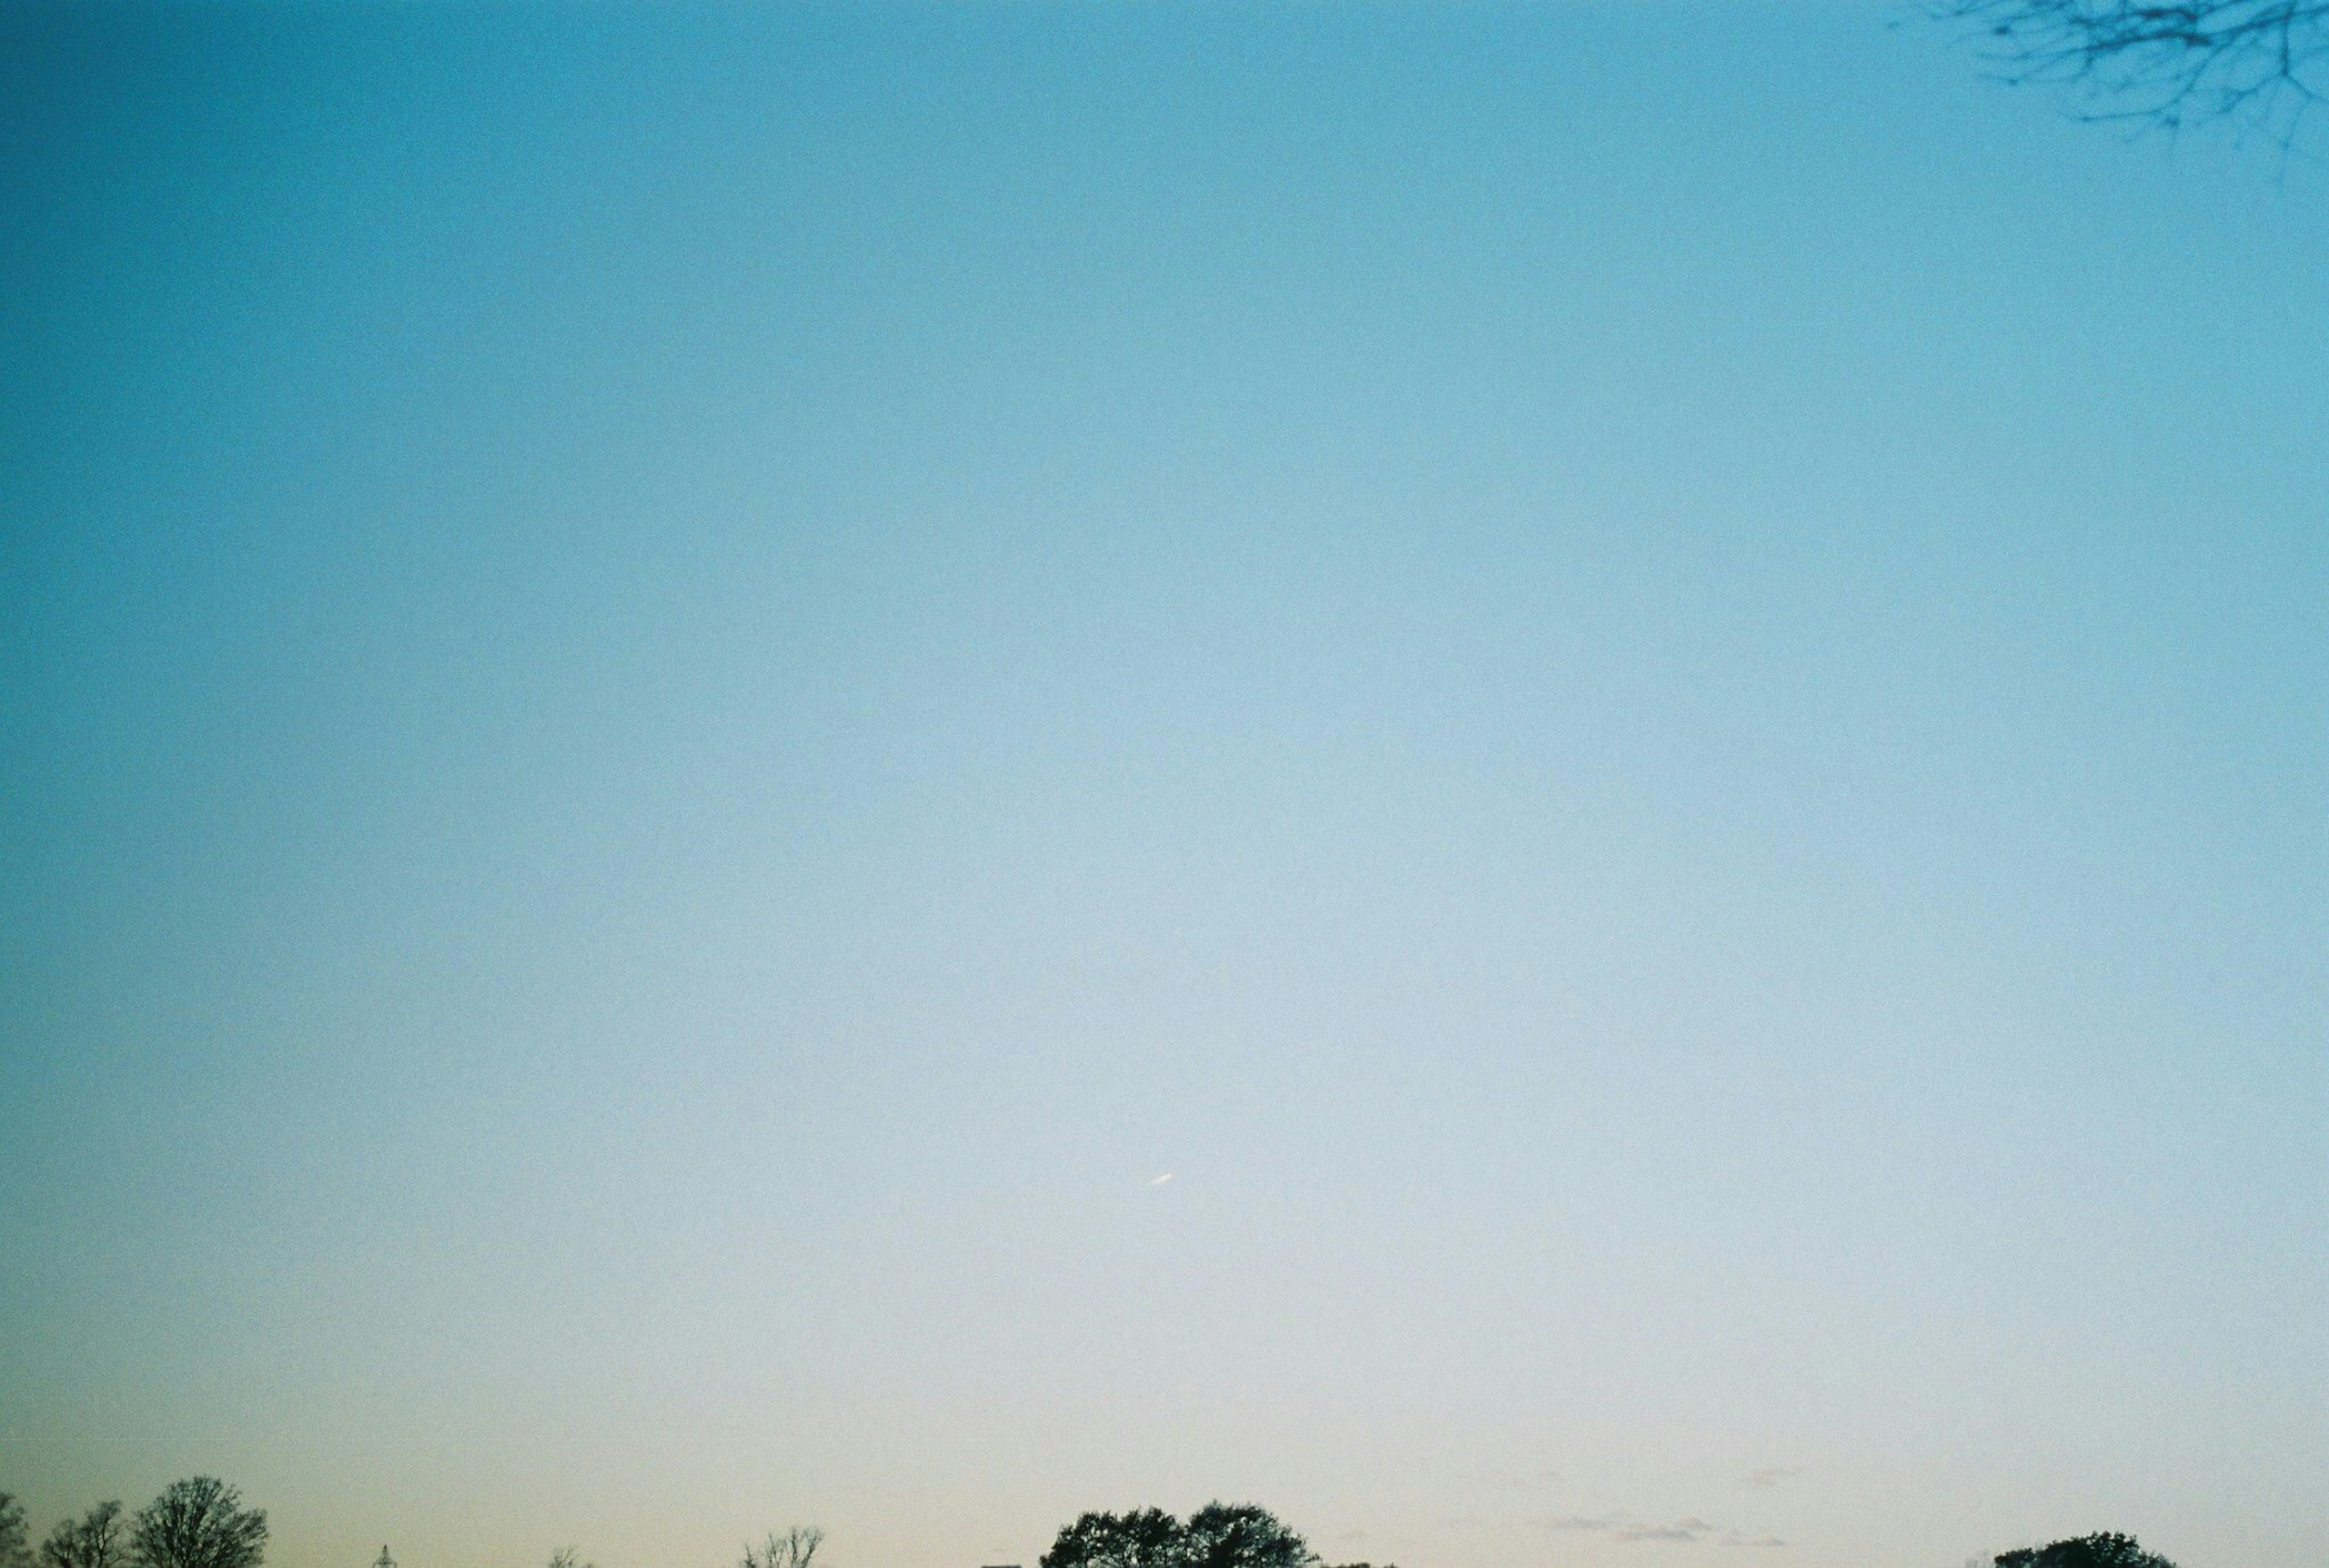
(1139, 1538)
(14, 1552)
(198, 1523)
(1241, 1535)
(92, 1541)
(2167, 62)
(796, 1548)
(1217, 1535)
(2103, 1551)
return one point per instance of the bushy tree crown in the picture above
(2101, 1550)
(1217, 1535)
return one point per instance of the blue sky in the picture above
(681, 688)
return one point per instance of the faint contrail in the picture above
(1160, 1181)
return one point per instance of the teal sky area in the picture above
(684, 689)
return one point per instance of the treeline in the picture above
(201, 1523)
(796, 1548)
(1241, 1535)
(196, 1523)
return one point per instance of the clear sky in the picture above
(682, 691)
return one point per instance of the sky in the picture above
(685, 688)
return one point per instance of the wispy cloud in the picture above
(1657, 1533)
(1622, 1527)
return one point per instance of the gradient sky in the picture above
(1646, 685)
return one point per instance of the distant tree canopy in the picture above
(1241, 1535)
(1141, 1538)
(796, 1548)
(92, 1541)
(2168, 61)
(2104, 1551)
(199, 1523)
(1217, 1535)
(13, 1551)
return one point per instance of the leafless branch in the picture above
(2264, 63)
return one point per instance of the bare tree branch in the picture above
(198, 1523)
(92, 1541)
(2264, 63)
(796, 1548)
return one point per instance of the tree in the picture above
(92, 1541)
(563, 1557)
(1241, 1535)
(1140, 1538)
(14, 1552)
(2166, 62)
(1217, 1535)
(198, 1523)
(2103, 1551)
(796, 1548)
